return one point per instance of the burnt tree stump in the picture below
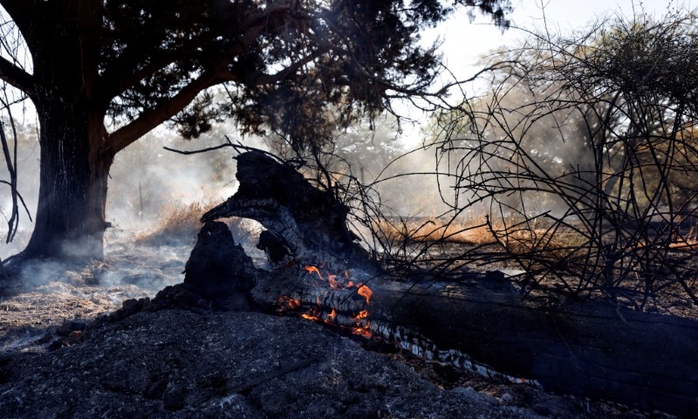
(219, 270)
(302, 221)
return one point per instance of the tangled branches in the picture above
(586, 155)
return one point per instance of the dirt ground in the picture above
(56, 361)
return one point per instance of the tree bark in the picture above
(71, 211)
(63, 38)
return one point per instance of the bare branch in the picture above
(17, 77)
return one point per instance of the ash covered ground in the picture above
(56, 361)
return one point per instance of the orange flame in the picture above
(335, 282)
(362, 315)
(362, 331)
(313, 269)
(286, 302)
(365, 292)
(310, 317)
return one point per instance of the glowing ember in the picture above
(362, 315)
(310, 317)
(360, 331)
(332, 280)
(286, 302)
(360, 327)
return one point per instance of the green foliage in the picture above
(292, 66)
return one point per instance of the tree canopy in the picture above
(104, 73)
(285, 62)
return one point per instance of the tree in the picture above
(602, 124)
(104, 73)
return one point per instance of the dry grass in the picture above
(687, 242)
(175, 223)
(547, 243)
(477, 232)
(529, 241)
(424, 231)
(180, 223)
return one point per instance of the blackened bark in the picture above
(70, 218)
(64, 41)
(311, 223)
(593, 350)
(219, 270)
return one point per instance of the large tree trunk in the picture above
(70, 217)
(74, 168)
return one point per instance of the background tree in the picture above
(589, 138)
(104, 73)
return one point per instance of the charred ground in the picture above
(176, 357)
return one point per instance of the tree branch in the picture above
(123, 74)
(19, 11)
(17, 77)
(151, 118)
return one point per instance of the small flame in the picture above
(286, 302)
(314, 269)
(362, 315)
(311, 317)
(362, 331)
(365, 292)
(335, 282)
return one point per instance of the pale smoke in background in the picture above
(150, 190)
(146, 181)
(147, 188)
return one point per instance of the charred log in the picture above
(303, 219)
(274, 247)
(590, 350)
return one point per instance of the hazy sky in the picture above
(464, 42)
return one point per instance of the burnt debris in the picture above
(220, 270)
(303, 221)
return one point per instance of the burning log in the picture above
(302, 221)
(591, 350)
(585, 349)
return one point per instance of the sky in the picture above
(464, 42)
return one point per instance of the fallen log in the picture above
(590, 350)
(586, 349)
